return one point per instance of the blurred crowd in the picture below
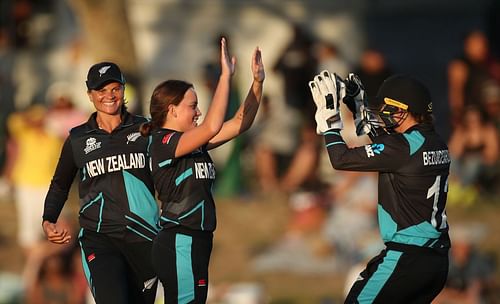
(332, 227)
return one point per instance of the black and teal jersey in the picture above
(116, 189)
(413, 182)
(184, 184)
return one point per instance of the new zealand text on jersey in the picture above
(115, 163)
(204, 170)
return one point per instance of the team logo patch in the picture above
(91, 257)
(92, 144)
(149, 283)
(373, 149)
(103, 70)
(202, 283)
(133, 137)
(166, 138)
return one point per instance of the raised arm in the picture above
(212, 124)
(245, 116)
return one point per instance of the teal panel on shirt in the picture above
(417, 235)
(141, 201)
(388, 226)
(415, 140)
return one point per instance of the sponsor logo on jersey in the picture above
(373, 149)
(133, 137)
(439, 157)
(204, 170)
(115, 163)
(92, 144)
(91, 257)
(202, 283)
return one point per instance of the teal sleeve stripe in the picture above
(332, 133)
(335, 143)
(185, 277)
(415, 140)
(165, 163)
(183, 176)
(137, 232)
(201, 206)
(380, 277)
(98, 197)
(168, 220)
(141, 224)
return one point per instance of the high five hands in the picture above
(257, 66)
(228, 63)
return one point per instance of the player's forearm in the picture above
(248, 110)
(217, 110)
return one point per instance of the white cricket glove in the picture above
(357, 102)
(327, 91)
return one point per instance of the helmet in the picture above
(398, 95)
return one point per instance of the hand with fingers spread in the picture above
(327, 91)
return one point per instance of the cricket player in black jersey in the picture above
(413, 165)
(184, 174)
(118, 214)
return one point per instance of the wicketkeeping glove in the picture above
(327, 91)
(357, 103)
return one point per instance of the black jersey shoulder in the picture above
(91, 124)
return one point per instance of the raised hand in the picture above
(327, 91)
(258, 66)
(228, 63)
(357, 103)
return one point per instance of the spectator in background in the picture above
(372, 70)
(468, 74)
(62, 115)
(328, 57)
(474, 148)
(471, 277)
(287, 152)
(491, 102)
(7, 93)
(55, 275)
(33, 163)
(297, 64)
(32, 159)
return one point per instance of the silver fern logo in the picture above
(103, 70)
(133, 137)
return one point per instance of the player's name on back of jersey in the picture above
(439, 157)
(115, 163)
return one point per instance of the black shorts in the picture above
(118, 271)
(401, 274)
(181, 258)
